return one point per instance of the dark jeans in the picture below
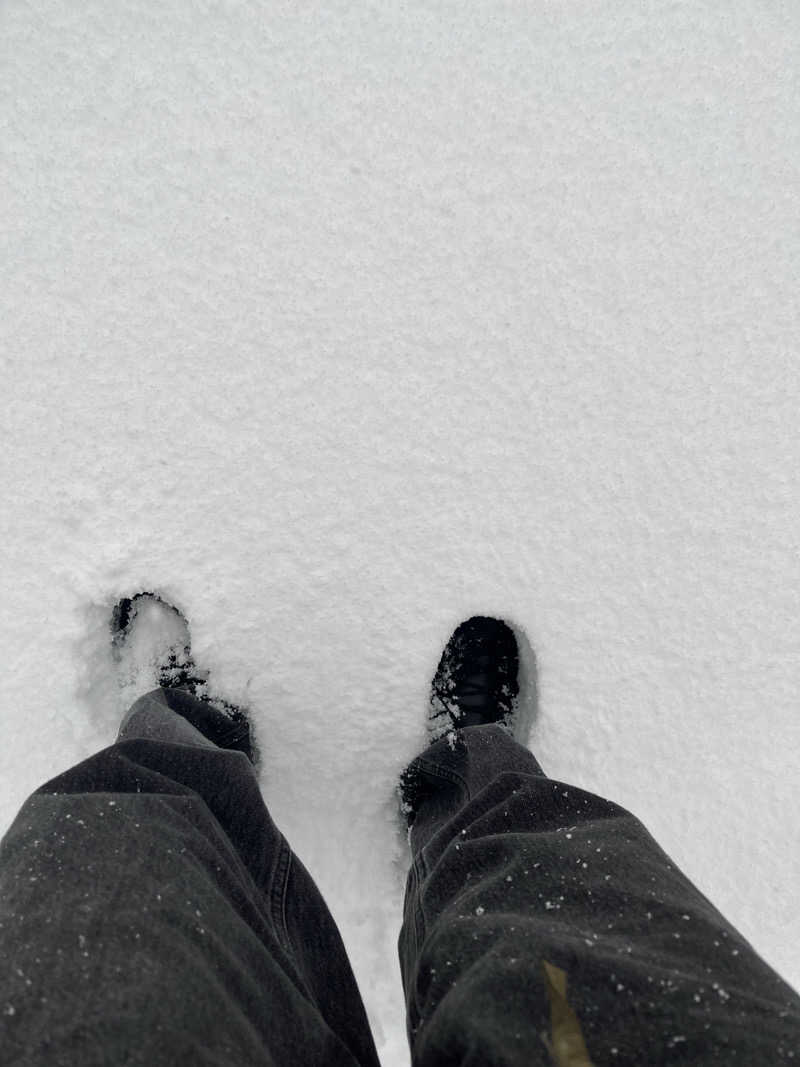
(152, 913)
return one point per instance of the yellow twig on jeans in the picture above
(566, 1043)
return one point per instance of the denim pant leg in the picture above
(544, 925)
(152, 913)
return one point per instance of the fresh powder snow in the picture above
(337, 324)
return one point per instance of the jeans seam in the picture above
(412, 1006)
(446, 775)
(438, 771)
(278, 894)
(420, 866)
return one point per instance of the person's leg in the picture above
(151, 912)
(544, 925)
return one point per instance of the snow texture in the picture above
(336, 324)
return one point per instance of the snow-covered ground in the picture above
(337, 323)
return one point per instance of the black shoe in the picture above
(175, 668)
(477, 681)
(166, 659)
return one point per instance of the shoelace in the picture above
(475, 685)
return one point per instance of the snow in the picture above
(336, 326)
